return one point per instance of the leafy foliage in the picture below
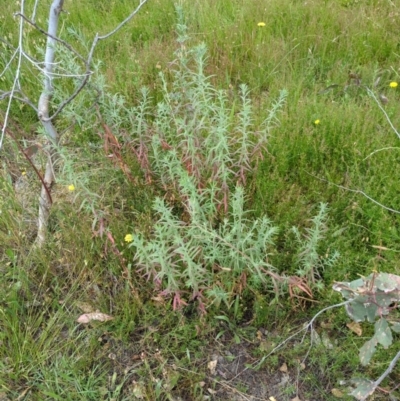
(370, 298)
(309, 259)
(201, 147)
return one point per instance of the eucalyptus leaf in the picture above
(364, 389)
(368, 350)
(383, 334)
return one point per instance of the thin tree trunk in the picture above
(43, 114)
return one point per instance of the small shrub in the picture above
(309, 261)
(200, 147)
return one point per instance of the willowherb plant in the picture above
(196, 257)
(309, 259)
(200, 147)
(214, 140)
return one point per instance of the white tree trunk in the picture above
(43, 108)
(43, 114)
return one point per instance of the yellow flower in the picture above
(71, 188)
(23, 172)
(261, 24)
(316, 122)
(128, 238)
(393, 84)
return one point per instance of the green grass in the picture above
(149, 349)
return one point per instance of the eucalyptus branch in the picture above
(369, 91)
(89, 59)
(64, 103)
(308, 326)
(22, 99)
(380, 150)
(357, 191)
(16, 77)
(31, 163)
(34, 10)
(391, 366)
(125, 21)
(87, 62)
(305, 328)
(52, 36)
(9, 63)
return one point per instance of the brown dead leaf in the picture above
(32, 150)
(259, 335)
(283, 368)
(88, 317)
(295, 399)
(355, 328)
(212, 365)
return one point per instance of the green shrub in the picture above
(200, 145)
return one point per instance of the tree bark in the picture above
(43, 114)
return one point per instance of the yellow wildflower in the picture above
(316, 122)
(393, 84)
(71, 188)
(128, 238)
(261, 24)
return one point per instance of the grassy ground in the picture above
(148, 351)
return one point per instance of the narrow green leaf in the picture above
(221, 317)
